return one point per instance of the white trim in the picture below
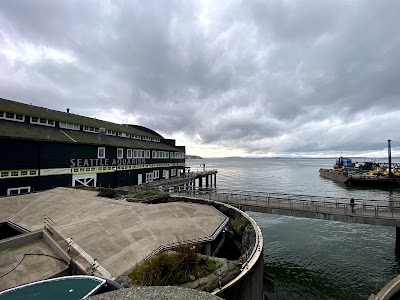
(3, 115)
(90, 129)
(98, 152)
(45, 122)
(84, 179)
(129, 153)
(69, 126)
(118, 153)
(18, 189)
(68, 136)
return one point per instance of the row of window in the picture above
(136, 153)
(177, 155)
(41, 121)
(5, 174)
(160, 154)
(70, 126)
(12, 116)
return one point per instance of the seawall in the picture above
(248, 284)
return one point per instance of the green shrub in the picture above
(170, 268)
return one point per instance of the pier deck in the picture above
(374, 212)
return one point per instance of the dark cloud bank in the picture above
(264, 77)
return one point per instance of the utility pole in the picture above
(390, 159)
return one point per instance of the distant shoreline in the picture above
(193, 157)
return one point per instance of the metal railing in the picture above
(335, 205)
(174, 245)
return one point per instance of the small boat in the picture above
(61, 288)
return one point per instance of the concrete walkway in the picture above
(118, 234)
(334, 209)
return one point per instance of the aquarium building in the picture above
(42, 148)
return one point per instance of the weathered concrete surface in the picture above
(156, 293)
(118, 234)
(32, 267)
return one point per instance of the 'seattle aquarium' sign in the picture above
(97, 162)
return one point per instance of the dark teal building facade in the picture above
(42, 148)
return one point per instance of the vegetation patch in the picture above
(147, 194)
(238, 222)
(174, 267)
(110, 193)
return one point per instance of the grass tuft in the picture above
(170, 268)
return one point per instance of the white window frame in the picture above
(18, 189)
(111, 132)
(129, 153)
(99, 149)
(3, 115)
(136, 137)
(118, 153)
(156, 174)
(69, 126)
(147, 153)
(90, 129)
(42, 121)
(149, 177)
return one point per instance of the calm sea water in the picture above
(313, 259)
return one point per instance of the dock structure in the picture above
(367, 211)
(206, 179)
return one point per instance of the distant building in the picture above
(42, 148)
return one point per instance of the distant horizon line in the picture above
(293, 157)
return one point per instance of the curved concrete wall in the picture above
(390, 291)
(248, 285)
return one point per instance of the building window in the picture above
(111, 132)
(149, 177)
(24, 173)
(129, 153)
(4, 174)
(41, 121)
(120, 153)
(156, 174)
(32, 173)
(147, 153)
(20, 190)
(123, 134)
(101, 152)
(14, 173)
(12, 116)
(70, 126)
(136, 137)
(90, 129)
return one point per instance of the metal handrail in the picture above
(319, 203)
(173, 245)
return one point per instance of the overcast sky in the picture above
(224, 78)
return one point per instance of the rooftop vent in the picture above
(67, 110)
(102, 134)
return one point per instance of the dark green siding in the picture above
(18, 154)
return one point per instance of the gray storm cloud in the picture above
(260, 76)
